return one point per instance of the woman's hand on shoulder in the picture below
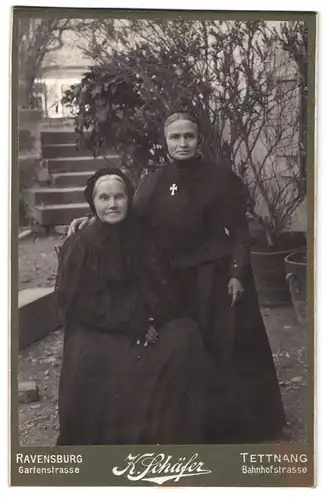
(78, 224)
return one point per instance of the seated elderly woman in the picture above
(132, 372)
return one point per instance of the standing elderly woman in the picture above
(196, 213)
(131, 373)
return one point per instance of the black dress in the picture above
(112, 389)
(197, 215)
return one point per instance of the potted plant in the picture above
(293, 38)
(269, 263)
(265, 136)
(274, 235)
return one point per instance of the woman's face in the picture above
(111, 201)
(182, 139)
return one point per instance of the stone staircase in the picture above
(59, 199)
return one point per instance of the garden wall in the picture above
(29, 155)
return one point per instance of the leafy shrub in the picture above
(227, 73)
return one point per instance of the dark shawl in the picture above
(108, 271)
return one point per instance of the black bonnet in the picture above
(89, 190)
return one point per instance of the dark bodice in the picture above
(177, 219)
(206, 217)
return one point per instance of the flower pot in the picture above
(269, 273)
(296, 268)
(268, 265)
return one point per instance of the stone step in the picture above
(54, 196)
(68, 151)
(57, 124)
(37, 314)
(71, 179)
(61, 214)
(63, 151)
(58, 137)
(81, 164)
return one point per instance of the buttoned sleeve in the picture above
(238, 226)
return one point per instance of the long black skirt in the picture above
(237, 340)
(113, 390)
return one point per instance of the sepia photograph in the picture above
(164, 166)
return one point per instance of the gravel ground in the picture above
(40, 362)
(37, 261)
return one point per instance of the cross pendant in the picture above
(173, 189)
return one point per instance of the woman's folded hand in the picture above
(151, 336)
